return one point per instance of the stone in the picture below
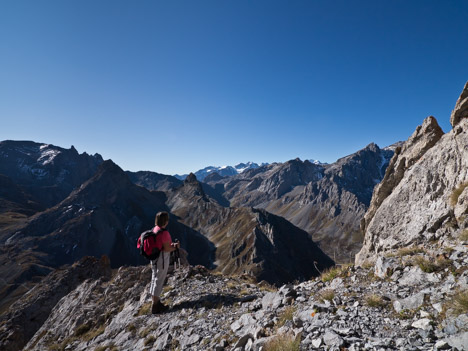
(424, 323)
(384, 267)
(459, 341)
(162, 342)
(331, 338)
(336, 283)
(243, 341)
(317, 342)
(272, 300)
(415, 276)
(409, 303)
(442, 345)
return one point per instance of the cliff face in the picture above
(424, 195)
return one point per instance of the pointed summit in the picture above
(191, 178)
(461, 107)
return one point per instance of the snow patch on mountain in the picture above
(224, 171)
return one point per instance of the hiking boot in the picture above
(162, 307)
(158, 308)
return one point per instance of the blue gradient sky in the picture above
(174, 86)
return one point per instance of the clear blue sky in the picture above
(174, 86)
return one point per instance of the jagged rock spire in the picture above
(191, 178)
(461, 107)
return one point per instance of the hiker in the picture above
(160, 265)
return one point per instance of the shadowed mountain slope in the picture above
(248, 240)
(47, 172)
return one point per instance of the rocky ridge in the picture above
(424, 195)
(394, 305)
(47, 172)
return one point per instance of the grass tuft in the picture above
(426, 265)
(456, 193)
(375, 300)
(283, 343)
(145, 309)
(334, 272)
(464, 235)
(326, 295)
(150, 340)
(286, 315)
(83, 329)
(459, 303)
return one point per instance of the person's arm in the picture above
(169, 247)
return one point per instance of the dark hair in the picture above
(162, 218)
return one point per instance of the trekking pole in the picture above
(177, 256)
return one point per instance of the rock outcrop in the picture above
(424, 137)
(461, 107)
(422, 197)
(28, 314)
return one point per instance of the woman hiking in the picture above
(161, 264)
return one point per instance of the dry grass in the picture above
(410, 251)
(326, 295)
(286, 315)
(150, 340)
(83, 329)
(426, 265)
(375, 300)
(429, 266)
(367, 265)
(464, 235)
(283, 343)
(110, 347)
(459, 303)
(334, 272)
(145, 309)
(456, 193)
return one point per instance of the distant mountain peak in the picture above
(223, 171)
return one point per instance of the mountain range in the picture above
(58, 206)
(407, 288)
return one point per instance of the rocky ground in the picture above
(411, 299)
